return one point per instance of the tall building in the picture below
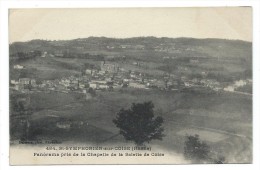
(109, 67)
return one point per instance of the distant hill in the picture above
(207, 47)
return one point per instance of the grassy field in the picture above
(222, 120)
(44, 69)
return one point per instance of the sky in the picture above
(64, 24)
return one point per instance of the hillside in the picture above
(207, 47)
(224, 60)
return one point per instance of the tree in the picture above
(92, 92)
(195, 149)
(17, 106)
(200, 151)
(138, 123)
(28, 86)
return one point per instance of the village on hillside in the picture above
(111, 76)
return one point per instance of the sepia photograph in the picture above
(131, 85)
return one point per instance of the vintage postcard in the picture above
(130, 86)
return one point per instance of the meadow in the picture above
(223, 120)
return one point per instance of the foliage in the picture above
(138, 123)
(17, 106)
(246, 89)
(28, 86)
(195, 149)
(92, 92)
(219, 160)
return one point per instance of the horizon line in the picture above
(121, 38)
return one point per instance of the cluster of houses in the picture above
(237, 84)
(126, 46)
(23, 84)
(208, 83)
(111, 76)
(18, 67)
(166, 48)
